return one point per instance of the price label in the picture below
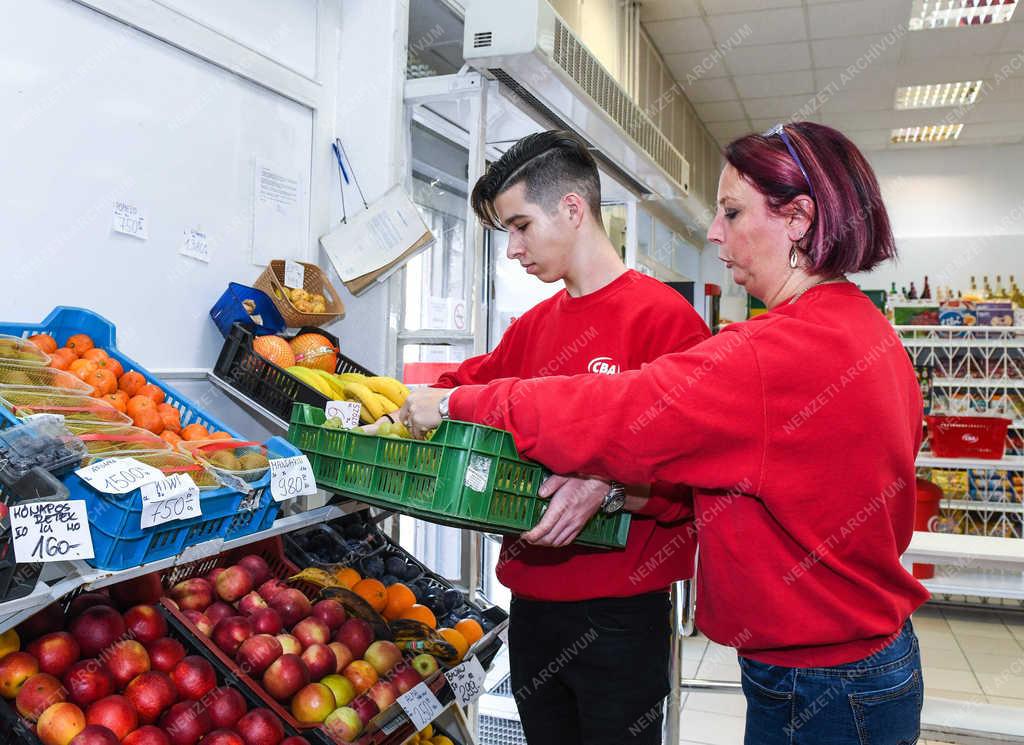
(420, 705)
(195, 245)
(173, 498)
(130, 220)
(291, 477)
(294, 274)
(477, 472)
(467, 681)
(346, 411)
(119, 475)
(51, 531)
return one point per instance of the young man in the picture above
(589, 628)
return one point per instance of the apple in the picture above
(251, 603)
(383, 693)
(270, 588)
(233, 583)
(95, 734)
(218, 611)
(365, 707)
(87, 600)
(383, 655)
(344, 724)
(311, 631)
(15, 669)
(342, 655)
(165, 653)
(341, 687)
(194, 677)
(125, 660)
(291, 605)
(286, 675)
(88, 681)
(96, 628)
(211, 576)
(266, 621)
(145, 623)
(144, 590)
(229, 633)
(361, 674)
(260, 727)
(405, 677)
(320, 660)
(55, 652)
(199, 620)
(226, 707)
(257, 653)
(60, 724)
(222, 737)
(46, 621)
(289, 644)
(257, 567)
(331, 612)
(151, 693)
(193, 594)
(185, 723)
(148, 735)
(356, 634)
(116, 713)
(38, 694)
(312, 703)
(425, 665)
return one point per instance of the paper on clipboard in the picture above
(377, 237)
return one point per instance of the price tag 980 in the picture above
(291, 477)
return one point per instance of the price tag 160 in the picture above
(420, 705)
(51, 531)
(467, 681)
(291, 477)
(119, 475)
(173, 498)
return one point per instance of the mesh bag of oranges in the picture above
(24, 402)
(234, 458)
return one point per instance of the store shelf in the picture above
(978, 505)
(978, 382)
(273, 422)
(978, 583)
(1008, 463)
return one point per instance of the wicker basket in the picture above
(272, 283)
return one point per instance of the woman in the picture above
(798, 431)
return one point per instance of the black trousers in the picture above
(591, 672)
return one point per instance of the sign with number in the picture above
(291, 477)
(346, 411)
(467, 681)
(173, 498)
(119, 475)
(294, 274)
(420, 705)
(51, 531)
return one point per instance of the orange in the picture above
(195, 432)
(151, 391)
(81, 367)
(470, 629)
(347, 576)
(421, 613)
(167, 409)
(275, 350)
(400, 599)
(373, 592)
(62, 358)
(113, 365)
(79, 344)
(118, 400)
(138, 404)
(315, 351)
(102, 380)
(45, 342)
(148, 419)
(220, 436)
(130, 382)
(456, 639)
(170, 437)
(95, 354)
(171, 421)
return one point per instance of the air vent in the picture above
(482, 39)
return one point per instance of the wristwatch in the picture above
(442, 406)
(614, 499)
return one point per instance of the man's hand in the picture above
(419, 413)
(574, 500)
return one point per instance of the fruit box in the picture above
(467, 476)
(266, 383)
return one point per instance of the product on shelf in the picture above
(26, 351)
(45, 443)
(245, 460)
(25, 402)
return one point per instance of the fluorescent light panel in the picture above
(926, 14)
(926, 134)
(936, 95)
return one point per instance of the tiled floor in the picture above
(975, 657)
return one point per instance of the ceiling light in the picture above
(935, 95)
(925, 14)
(926, 134)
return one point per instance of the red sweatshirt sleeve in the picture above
(484, 367)
(696, 417)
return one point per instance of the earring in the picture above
(794, 256)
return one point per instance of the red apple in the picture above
(226, 707)
(257, 653)
(289, 644)
(95, 734)
(38, 694)
(312, 703)
(148, 735)
(15, 669)
(271, 587)
(252, 603)
(116, 713)
(125, 660)
(165, 653)
(311, 631)
(291, 605)
(218, 611)
(46, 621)
(405, 677)
(341, 687)
(60, 724)
(365, 707)
(320, 660)
(331, 612)
(87, 600)
(342, 654)
(383, 693)
(356, 634)
(286, 675)
(222, 737)
(144, 590)
(193, 594)
(96, 628)
(55, 652)
(194, 677)
(233, 583)
(229, 633)
(361, 674)
(211, 576)
(151, 693)
(88, 681)
(145, 623)
(383, 655)
(260, 727)
(266, 621)
(186, 722)
(257, 567)
(344, 724)
(199, 620)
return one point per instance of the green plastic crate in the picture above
(467, 475)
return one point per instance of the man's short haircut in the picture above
(551, 164)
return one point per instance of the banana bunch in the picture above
(378, 395)
(417, 637)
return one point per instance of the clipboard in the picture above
(360, 284)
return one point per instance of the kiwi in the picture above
(253, 461)
(225, 459)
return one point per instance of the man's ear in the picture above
(575, 207)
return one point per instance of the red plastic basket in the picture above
(968, 436)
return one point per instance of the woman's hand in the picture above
(420, 412)
(574, 500)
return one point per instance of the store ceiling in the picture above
(792, 51)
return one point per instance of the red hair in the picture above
(850, 232)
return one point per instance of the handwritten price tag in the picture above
(294, 274)
(51, 531)
(173, 498)
(119, 475)
(346, 411)
(420, 705)
(467, 681)
(291, 477)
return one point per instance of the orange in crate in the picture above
(102, 380)
(373, 592)
(131, 382)
(315, 351)
(470, 629)
(62, 358)
(276, 350)
(195, 432)
(152, 391)
(80, 344)
(347, 577)
(421, 613)
(45, 342)
(400, 599)
(456, 639)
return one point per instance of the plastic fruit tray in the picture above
(467, 476)
(19, 403)
(101, 439)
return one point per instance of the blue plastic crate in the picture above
(228, 310)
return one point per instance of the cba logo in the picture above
(602, 366)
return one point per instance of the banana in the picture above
(358, 391)
(388, 387)
(316, 576)
(308, 377)
(332, 383)
(351, 377)
(387, 403)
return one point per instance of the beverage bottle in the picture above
(913, 292)
(926, 291)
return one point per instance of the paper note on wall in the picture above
(279, 214)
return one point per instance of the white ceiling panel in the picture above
(984, 111)
(994, 129)
(726, 132)
(763, 27)
(663, 10)
(1013, 41)
(680, 35)
(1005, 65)
(720, 111)
(943, 70)
(682, 65)
(715, 7)
(870, 139)
(779, 107)
(857, 18)
(751, 60)
(845, 51)
(856, 99)
(927, 45)
(775, 84)
(706, 91)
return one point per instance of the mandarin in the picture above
(81, 367)
(347, 577)
(171, 421)
(45, 342)
(421, 613)
(148, 419)
(102, 380)
(470, 629)
(118, 400)
(130, 382)
(373, 592)
(151, 391)
(171, 438)
(400, 599)
(79, 344)
(62, 358)
(95, 354)
(138, 404)
(195, 432)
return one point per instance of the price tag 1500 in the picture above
(467, 681)
(173, 498)
(119, 475)
(420, 705)
(291, 477)
(51, 531)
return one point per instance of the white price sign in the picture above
(467, 681)
(291, 477)
(420, 705)
(173, 498)
(130, 220)
(196, 245)
(294, 274)
(346, 411)
(51, 531)
(119, 475)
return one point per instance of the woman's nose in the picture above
(716, 232)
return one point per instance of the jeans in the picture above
(874, 701)
(591, 672)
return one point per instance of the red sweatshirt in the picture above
(798, 431)
(631, 321)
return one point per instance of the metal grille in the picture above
(504, 688)
(497, 731)
(482, 39)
